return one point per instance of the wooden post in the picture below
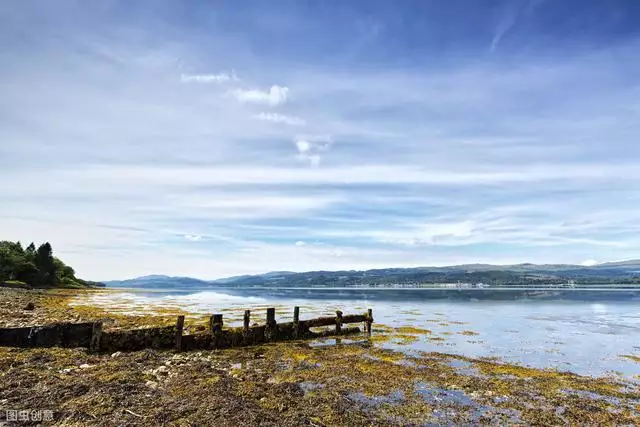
(369, 321)
(179, 328)
(270, 329)
(246, 320)
(338, 322)
(247, 335)
(296, 322)
(215, 323)
(271, 316)
(96, 336)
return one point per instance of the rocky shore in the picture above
(297, 383)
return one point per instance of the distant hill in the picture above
(624, 272)
(158, 282)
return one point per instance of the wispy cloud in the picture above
(276, 95)
(193, 237)
(210, 78)
(280, 118)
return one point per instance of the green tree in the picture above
(11, 257)
(45, 264)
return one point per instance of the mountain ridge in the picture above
(523, 274)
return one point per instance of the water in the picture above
(583, 333)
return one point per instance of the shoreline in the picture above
(295, 383)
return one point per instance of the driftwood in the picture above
(91, 335)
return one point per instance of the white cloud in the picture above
(209, 78)
(300, 243)
(589, 263)
(193, 237)
(275, 96)
(310, 147)
(303, 146)
(280, 118)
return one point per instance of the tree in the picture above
(30, 252)
(35, 266)
(45, 265)
(11, 256)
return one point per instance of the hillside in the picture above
(626, 272)
(31, 267)
(495, 275)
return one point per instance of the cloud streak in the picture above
(209, 78)
(276, 95)
(280, 118)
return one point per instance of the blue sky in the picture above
(213, 138)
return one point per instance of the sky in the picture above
(216, 138)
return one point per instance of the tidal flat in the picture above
(403, 374)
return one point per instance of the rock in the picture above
(116, 354)
(161, 370)
(236, 366)
(30, 306)
(85, 366)
(151, 384)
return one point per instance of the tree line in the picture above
(35, 266)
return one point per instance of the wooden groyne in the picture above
(91, 335)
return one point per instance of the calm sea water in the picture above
(586, 333)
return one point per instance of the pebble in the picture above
(151, 384)
(85, 366)
(116, 354)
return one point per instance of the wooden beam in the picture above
(330, 321)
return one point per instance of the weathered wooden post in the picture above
(338, 322)
(179, 328)
(215, 324)
(246, 321)
(369, 321)
(96, 336)
(296, 322)
(270, 329)
(247, 337)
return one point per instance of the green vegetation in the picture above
(36, 267)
